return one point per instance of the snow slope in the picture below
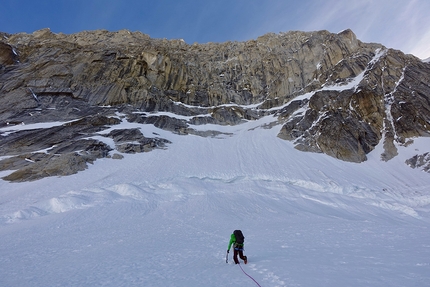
(164, 218)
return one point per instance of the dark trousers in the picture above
(238, 251)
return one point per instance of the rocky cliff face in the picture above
(332, 93)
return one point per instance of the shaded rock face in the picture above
(331, 93)
(345, 125)
(420, 161)
(390, 103)
(7, 55)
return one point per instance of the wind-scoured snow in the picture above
(164, 218)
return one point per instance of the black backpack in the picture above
(239, 236)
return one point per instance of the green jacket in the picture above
(232, 240)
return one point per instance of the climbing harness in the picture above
(249, 275)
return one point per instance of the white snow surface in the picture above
(164, 218)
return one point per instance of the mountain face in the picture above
(332, 94)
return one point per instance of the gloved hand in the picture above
(228, 251)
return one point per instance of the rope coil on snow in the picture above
(249, 276)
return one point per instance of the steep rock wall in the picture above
(332, 92)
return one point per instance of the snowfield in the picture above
(164, 218)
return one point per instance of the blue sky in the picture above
(399, 24)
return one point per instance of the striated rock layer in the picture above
(331, 92)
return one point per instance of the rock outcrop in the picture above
(332, 93)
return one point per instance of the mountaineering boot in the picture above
(246, 260)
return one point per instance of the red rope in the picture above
(249, 275)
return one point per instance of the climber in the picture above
(237, 239)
